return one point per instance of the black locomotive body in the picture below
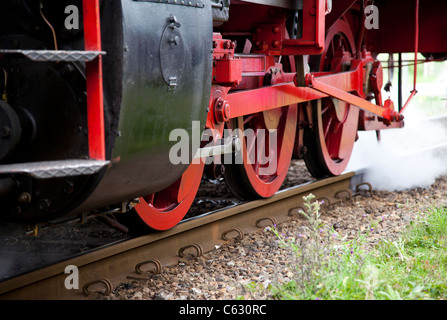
(151, 86)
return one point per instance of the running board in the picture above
(56, 55)
(55, 169)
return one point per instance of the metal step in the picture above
(55, 169)
(55, 55)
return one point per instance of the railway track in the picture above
(101, 268)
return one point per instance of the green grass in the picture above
(329, 267)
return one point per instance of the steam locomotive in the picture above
(94, 92)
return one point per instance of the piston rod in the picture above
(231, 147)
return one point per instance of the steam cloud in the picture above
(389, 167)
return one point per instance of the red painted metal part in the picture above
(333, 91)
(257, 156)
(267, 26)
(268, 39)
(268, 146)
(165, 209)
(227, 70)
(337, 85)
(265, 157)
(330, 139)
(266, 98)
(95, 106)
(240, 92)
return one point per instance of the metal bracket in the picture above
(272, 220)
(198, 248)
(239, 234)
(86, 289)
(155, 262)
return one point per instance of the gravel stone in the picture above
(224, 272)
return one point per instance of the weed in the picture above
(327, 266)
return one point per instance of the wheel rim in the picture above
(268, 139)
(165, 209)
(331, 140)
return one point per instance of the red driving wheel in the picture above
(331, 139)
(268, 138)
(165, 209)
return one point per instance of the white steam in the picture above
(390, 167)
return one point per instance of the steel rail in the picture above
(117, 262)
(120, 261)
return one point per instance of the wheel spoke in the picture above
(260, 152)
(249, 118)
(328, 128)
(325, 110)
(251, 148)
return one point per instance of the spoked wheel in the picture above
(165, 209)
(331, 139)
(267, 144)
(268, 139)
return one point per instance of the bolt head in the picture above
(44, 204)
(5, 131)
(68, 187)
(222, 110)
(25, 197)
(226, 112)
